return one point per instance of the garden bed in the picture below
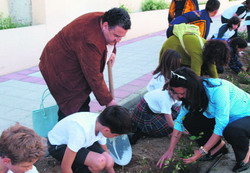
(147, 151)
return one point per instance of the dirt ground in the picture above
(147, 151)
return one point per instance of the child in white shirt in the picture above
(79, 140)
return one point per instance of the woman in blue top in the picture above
(211, 108)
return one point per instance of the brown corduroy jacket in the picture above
(72, 63)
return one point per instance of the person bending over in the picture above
(202, 60)
(73, 61)
(211, 108)
(228, 30)
(79, 140)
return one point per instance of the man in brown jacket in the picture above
(72, 62)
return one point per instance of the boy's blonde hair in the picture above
(21, 144)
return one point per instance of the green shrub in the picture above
(148, 5)
(7, 23)
(125, 8)
(202, 2)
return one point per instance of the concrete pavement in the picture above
(21, 92)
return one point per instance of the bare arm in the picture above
(68, 159)
(169, 120)
(173, 142)
(105, 148)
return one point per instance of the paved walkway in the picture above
(21, 92)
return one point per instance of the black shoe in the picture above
(240, 166)
(209, 157)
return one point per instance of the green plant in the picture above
(244, 78)
(125, 8)
(243, 34)
(7, 23)
(143, 161)
(185, 150)
(148, 5)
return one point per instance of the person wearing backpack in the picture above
(200, 18)
(179, 7)
(202, 60)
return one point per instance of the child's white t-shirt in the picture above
(76, 131)
(159, 101)
(229, 12)
(156, 82)
(33, 170)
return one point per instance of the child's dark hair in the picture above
(170, 61)
(233, 21)
(117, 17)
(216, 52)
(117, 119)
(212, 5)
(236, 43)
(21, 144)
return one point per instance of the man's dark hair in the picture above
(212, 5)
(236, 43)
(117, 17)
(169, 61)
(196, 98)
(216, 52)
(233, 21)
(117, 119)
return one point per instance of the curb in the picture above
(132, 100)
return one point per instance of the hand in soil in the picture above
(163, 160)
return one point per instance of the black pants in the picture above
(199, 125)
(57, 151)
(83, 108)
(237, 134)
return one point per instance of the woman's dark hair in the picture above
(233, 21)
(170, 61)
(212, 5)
(196, 98)
(117, 17)
(216, 52)
(117, 119)
(236, 43)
